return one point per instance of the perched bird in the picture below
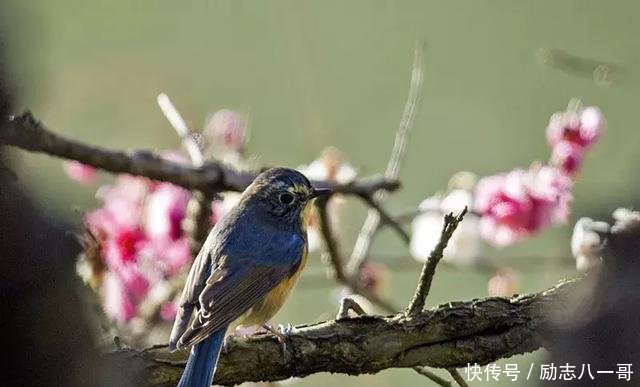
(247, 267)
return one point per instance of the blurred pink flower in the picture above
(504, 283)
(374, 277)
(117, 303)
(168, 311)
(139, 230)
(81, 173)
(519, 203)
(550, 191)
(228, 128)
(165, 208)
(171, 255)
(583, 127)
(134, 281)
(568, 157)
(219, 208)
(123, 245)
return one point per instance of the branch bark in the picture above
(27, 133)
(449, 336)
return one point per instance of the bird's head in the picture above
(282, 193)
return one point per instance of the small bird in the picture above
(245, 270)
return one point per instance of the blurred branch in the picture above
(386, 219)
(449, 336)
(25, 132)
(197, 220)
(602, 73)
(428, 270)
(372, 221)
(426, 372)
(336, 260)
(457, 377)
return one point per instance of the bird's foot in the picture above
(281, 333)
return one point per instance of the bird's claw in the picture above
(281, 333)
(286, 330)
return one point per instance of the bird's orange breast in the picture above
(273, 301)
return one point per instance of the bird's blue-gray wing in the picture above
(195, 283)
(240, 278)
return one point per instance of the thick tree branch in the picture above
(449, 336)
(25, 132)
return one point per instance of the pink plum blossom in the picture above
(519, 203)
(168, 311)
(567, 156)
(583, 127)
(171, 255)
(117, 303)
(570, 134)
(81, 173)
(142, 244)
(165, 208)
(228, 128)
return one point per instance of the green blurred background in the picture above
(319, 73)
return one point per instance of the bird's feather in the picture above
(238, 266)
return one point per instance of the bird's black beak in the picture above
(319, 192)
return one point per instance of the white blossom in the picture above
(464, 247)
(586, 242)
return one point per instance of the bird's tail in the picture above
(202, 361)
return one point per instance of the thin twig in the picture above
(424, 371)
(428, 270)
(347, 304)
(363, 243)
(408, 216)
(386, 219)
(330, 242)
(457, 377)
(197, 220)
(180, 126)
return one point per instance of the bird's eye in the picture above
(286, 198)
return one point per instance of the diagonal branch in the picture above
(386, 219)
(428, 270)
(449, 336)
(336, 260)
(25, 132)
(372, 221)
